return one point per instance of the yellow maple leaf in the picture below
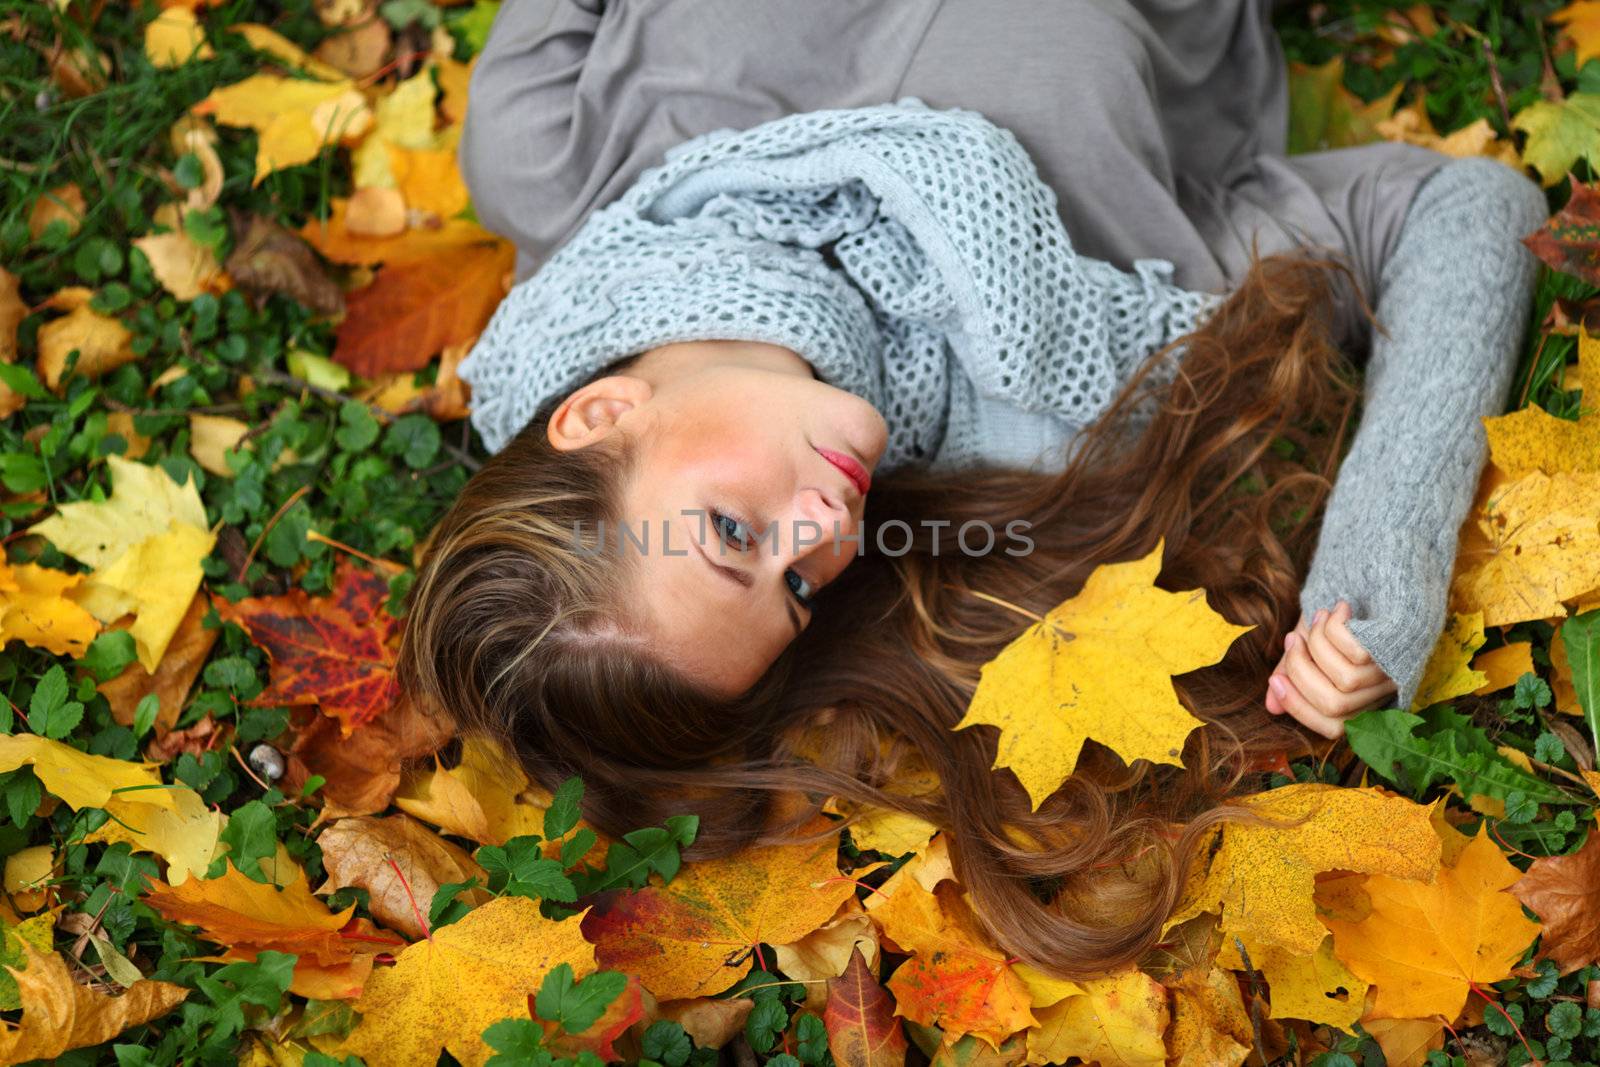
(1532, 439)
(174, 37)
(1424, 944)
(405, 119)
(480, 798)
(442, 992)
(295, 118)
(1449, 672)
(1582, 22)
(36, 610)
(1119, 1021)
(58, 1014)
(429, 179)
(145, 543)
(185, 834)
(1261, 879)
(268, 40)
(1305, 986)
(1099, 666)
(1542, 539)
(80, 779)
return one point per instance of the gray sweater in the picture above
(1161, 126)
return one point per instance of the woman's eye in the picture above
(802, 589)
(731, 530)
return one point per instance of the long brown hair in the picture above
(519, 633)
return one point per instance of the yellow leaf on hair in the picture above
(1119, 1021)
(1261, 880)
(1449, 672)
(1099, 666)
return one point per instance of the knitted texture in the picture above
(911, 255)
(1454, 297)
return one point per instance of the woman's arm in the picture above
(1454, 297)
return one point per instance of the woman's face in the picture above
(748, 486)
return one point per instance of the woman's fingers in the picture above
(1297, 705)
(1338, 633)
(1321, 692)
(1347, 674)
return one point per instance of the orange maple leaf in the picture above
(413, 311)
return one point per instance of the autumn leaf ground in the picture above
(239, 378)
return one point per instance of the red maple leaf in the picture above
(334, 651)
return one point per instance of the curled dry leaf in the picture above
(1564, 891)
(361, 771)
(710, 1022)
(267, 259)
(59, 1015)
(400, 863)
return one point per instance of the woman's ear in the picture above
(590, 412)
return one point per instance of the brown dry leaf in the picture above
(1425, 943)
(362, 771)
(359, 50)
(58, 1014)
(825, 952)
(710, 1022)
(179, 667)
(441, 993)
(400, 863)
(13, 309)
(64, 203)
(267, 258)
(78, 71)
(103, 344)
(1564, 891)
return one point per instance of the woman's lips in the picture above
(851, 467)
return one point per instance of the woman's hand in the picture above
(1325, 675)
